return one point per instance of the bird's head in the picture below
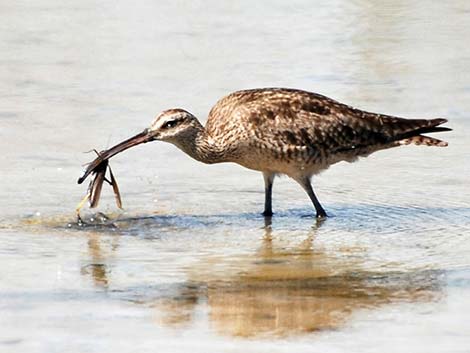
(174, 125)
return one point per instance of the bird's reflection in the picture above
(282, 291)
(285, 287)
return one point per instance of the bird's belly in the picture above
(294, 166)
(300, 162)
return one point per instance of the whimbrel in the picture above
(281, 131)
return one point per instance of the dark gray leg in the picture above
(305, 183)
(268, 191)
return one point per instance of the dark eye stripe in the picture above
(170, 124)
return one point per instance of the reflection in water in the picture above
(97, 267)
(277, 290)
(282, 291)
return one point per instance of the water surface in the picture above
(190, 264)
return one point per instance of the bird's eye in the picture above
(170, 124)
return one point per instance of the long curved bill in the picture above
(142, 137)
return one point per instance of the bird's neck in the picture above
(202, 147)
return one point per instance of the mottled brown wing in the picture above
(286, 117)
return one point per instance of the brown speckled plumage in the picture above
(306, 130)
(288, 131)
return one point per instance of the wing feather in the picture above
(295, 118)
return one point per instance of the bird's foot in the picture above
(321, 215)
(267, 213)
(318, 216)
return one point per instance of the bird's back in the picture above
(288, 126)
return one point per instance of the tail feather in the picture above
(436, 129)
(432, 125)
(423, 140)
(412, 132)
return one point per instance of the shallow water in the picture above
(190, 264)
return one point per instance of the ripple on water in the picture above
(281, 276)
(379, 219)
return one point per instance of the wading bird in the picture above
(281, 131)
